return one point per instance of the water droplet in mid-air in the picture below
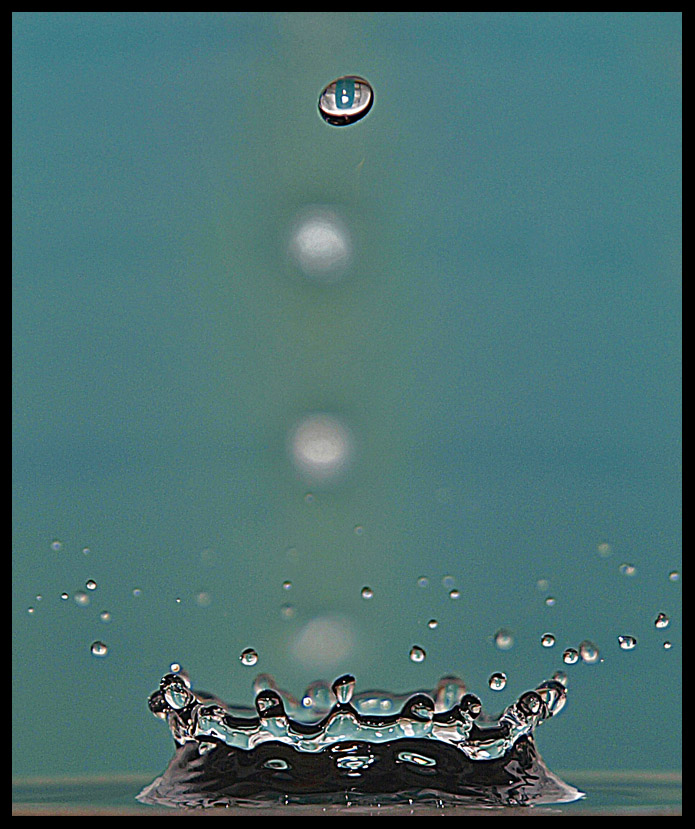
(627, 643)
(551, 601)
(674, 575)
(432, 624)
(346, 101)
(627, 569)
(56, 545)
(99, 649)
(423, 581)
(662, 621)
(249, 656)
(81, 598)
(504, 639)
(64, 596)
(91, 585)
(367, 593)
(570, 656)
(547, 640)
(454, 594)
(417, 654)
(667, 646)
(588, 652)
(105, 616)
(497, 681)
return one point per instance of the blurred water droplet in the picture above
(30, 610)
(105, 616)
(287, 585)
(137, 592)
(417, 654)
(551, 601)
(627, 569)
(588, 652)
(359, 529)
(203, 598)
(81, 598)
(287, 611)
(249, 656)
(674, 575)
(604, 550)
(497, 681)
(504, 639)
(99, 648)
(454, 594)
(423, 581)
(56, 545)
(561, 677)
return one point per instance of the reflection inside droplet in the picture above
(321, 244)
(346, 100)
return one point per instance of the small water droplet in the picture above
(86, 551)
(287, 611)
(56, 545)
(81, 598)
(454, 594)
(588, 652)
(30, 610)
(627, 643)
(448, 581)
(137, 592)
(570, 656)
(287, 585)
(423, 581)
(674, 575)
(551, 601)
(547, 640)
(203, 598)
(662, 621)
(367, 593)
(604, 550)
(359, 529)
(64, 596)
(249, 656)
(542, 585)
(309, 498)
(99, 648)
(105, 616)
(432, 624)
(417, 654)
(504, 639)
(497, 681)
(91, 585)
(627, 569)
(174, 667)
(345, 101)
(667, 646)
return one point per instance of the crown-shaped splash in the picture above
(373, 745)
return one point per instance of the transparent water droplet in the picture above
(454, 594)
(359, 529)
(137, 592)
(497, 681)
(81, 598)
(417, 654)
(604, 550)
(346, 100)
(309, 498)
(448, 581)
(626, 642)
(86, 551)
(287, 585)
(662, 621)
(64, 596)
(91, 585)
(551, 601)
(674, 575)
(547, 640)
(504, 639)
(423, 581)
(367, 593)
(287, 611)
(249, 656)
(570, 656)
(178, 600)
(105, 616)
(627, 569)
(667, 646)
(56, 545)
(561, 677)
(588, 652)
(432, 624)
(174, 667)
(31, 610)
(99, 648)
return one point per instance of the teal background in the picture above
(505, 349)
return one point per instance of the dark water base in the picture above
(356, 773)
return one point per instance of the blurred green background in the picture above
(504, 350)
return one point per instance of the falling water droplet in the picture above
(674, 575)
(627, 569)
(56, 545)
(432, 624)
(64, 596)
(627, 643)
(367, 593)
(99, 648)
(105, 616)
(662, 621)
(454, 594)
(81, 598)
(570, 656)
(346, 101)
(249, 656)
(497, 681)
(667, 646)
(551, 601)
(417, 654)
(423, 581)
(91, 585)
(547, 640)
